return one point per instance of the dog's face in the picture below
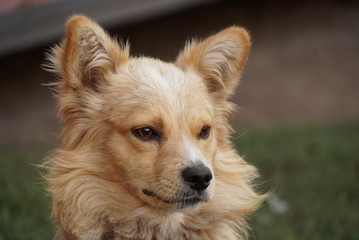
(164, 132)
(157, 124)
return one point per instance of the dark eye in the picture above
(205, 132)
(145, 133)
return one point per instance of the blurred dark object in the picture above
(29, 23)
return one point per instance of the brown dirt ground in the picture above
(304, 65)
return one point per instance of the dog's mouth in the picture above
(187, 200)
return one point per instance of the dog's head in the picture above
(153, 127)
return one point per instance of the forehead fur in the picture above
(149, 86)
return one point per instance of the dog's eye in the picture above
(205, 132)
(145, 133)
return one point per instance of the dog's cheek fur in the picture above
(134, 160)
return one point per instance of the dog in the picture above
(146, 151)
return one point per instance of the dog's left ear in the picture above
(219, 60)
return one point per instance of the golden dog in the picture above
(145, 148)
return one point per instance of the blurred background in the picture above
(297, 120)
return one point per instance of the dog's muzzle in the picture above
(196, 179)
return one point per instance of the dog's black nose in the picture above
(197, 177)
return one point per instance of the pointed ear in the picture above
(86, 54)
(219, 60)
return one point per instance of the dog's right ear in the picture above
(219, 59)
(86, 55)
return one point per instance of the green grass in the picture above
(313, 169)
(24, 208)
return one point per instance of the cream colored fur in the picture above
(98, 175)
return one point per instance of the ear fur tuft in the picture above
(219, 59)
(86, 54)
(83, 61)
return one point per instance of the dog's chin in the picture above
(182, 201)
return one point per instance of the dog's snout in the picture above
(197, 177)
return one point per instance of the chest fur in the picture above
(146, 225)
